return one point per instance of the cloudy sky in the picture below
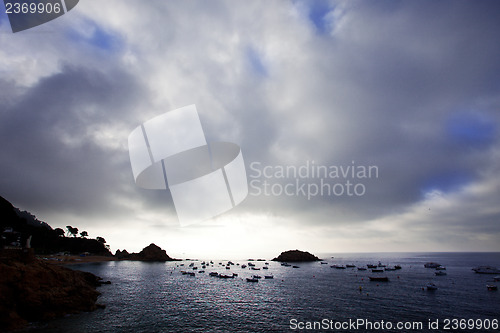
(409, 87)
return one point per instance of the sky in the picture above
(409, 88)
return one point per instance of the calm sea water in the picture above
(156, 297)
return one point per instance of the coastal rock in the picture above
(122, 254)
(296, 256)
(151, 252)
(33, 291)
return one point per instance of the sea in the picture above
(313, 297)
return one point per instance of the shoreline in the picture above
(74, 259)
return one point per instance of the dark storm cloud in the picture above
(50, 159)
(409, 86)
(393, 77)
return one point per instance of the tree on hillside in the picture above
(72, 231)
(59, 232)
(84, 234)
(101, 240)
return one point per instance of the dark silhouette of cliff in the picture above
(44, 239)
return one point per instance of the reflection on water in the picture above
(156, 297)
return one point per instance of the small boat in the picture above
(266, 263)
(252, 280)
(243, 266)
(376, 270)
(496, 278)
(257, 277)
(285, 264)
(361, 268)
(440, 268)
(268, 277)
(440, 273)
(371, 266)
(431, 265)
(486, 270)
(491, 287)
(350, 265)
(431, 286)
(235, 274)
(295, 266)
(227, 267)
(256, 268)
(251, 264)
(389, 268)
(191, 273)
(265, 267)
(397, 267)
(324, 263)
(380, 264)
(224, 276)
(213, 274)
(201, 271)
(379, 278)
(337, 266)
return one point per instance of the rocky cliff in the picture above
(32, 290)
(151, 252)
(296, 256)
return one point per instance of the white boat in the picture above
(486, 270)
(440, 268)
(491, 287)
(496, 278)
(224, 276)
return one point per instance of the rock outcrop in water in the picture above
(32, 290)
(151, 252)
(296, 256)
(122, 254)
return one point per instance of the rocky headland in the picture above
(151, 252)
(32, 290)
(296, 256)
